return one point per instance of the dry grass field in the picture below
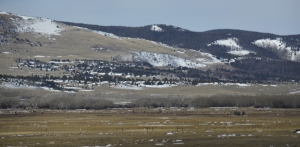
(150, 127)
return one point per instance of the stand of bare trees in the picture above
(19, 99)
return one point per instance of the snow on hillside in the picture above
(102, 33)
(272, 43)
(279, 45)
(36, 24)
(107, 34)
(232, 44)
(1, 12)
(157, 59)
(156, 28)
(239, 52)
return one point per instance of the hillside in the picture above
(70, 57)
(224, 43)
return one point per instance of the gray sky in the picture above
(272, 16)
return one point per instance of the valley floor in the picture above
(150, 127)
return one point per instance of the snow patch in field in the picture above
(233, 45)
(50, 89)
(86, 90)
(156, 28)
(72, 88)
(161, 86)
(14, 86)
(181, 52)
(157, 59)
(224, 84)
(6, 52)
(294, 92)
(122, 86)
(243, 85)
(39, 56)
(170, 133)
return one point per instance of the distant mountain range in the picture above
(223, 43)
(44, 47)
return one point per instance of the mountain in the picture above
(224, 43)
(61, 55)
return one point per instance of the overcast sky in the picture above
(272, 16)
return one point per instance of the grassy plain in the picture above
(150, 127)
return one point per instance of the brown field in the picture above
(149, 127)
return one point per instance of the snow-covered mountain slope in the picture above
(156, 28)
(292, 53)
(157, 59)
(232, 44)
(34, 24)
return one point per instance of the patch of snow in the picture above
(181, 52)
(70, 91)
(58, 62)
(157, 59)
(6, 52)
(271, 43)
(170, 133)
(39, 56)
(161, 86)
(243, 85)
(74, 88)
(1, 12)
(230, 42)
(208, 131)
(122, 86)
(278, 44)
(107, 34)
(239, 52)
(224, 84)
(38, 25)
(178, 143)
(159, 43)
(58, 81)
(294, 92)
(14, 86)
(86, 90)
(25, 17)
(233, 45)
(50, 89)
(156, 28)
(114, 74)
